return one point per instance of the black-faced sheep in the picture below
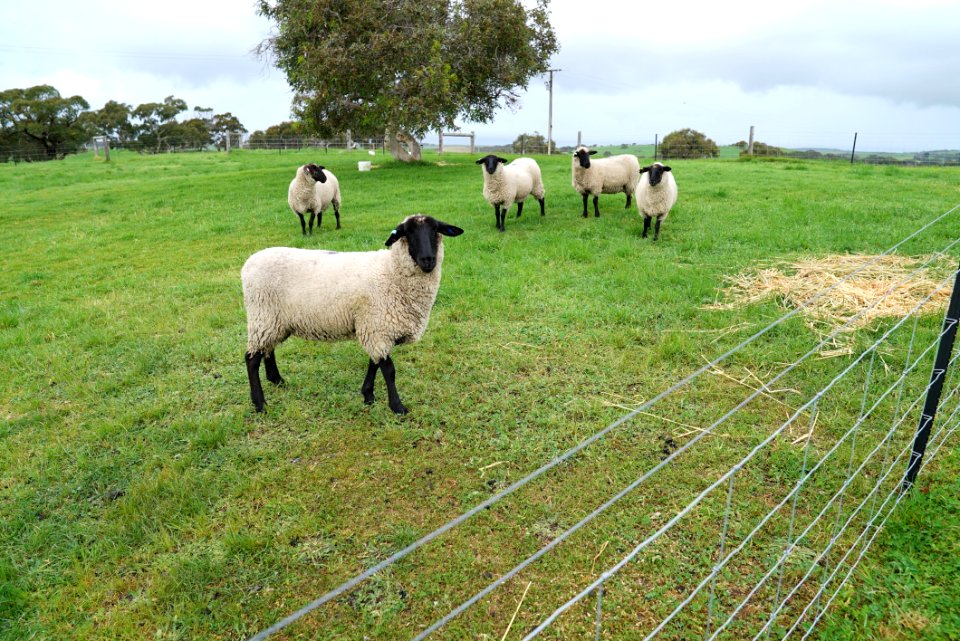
(505, 184)
(595, 176)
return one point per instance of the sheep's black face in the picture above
(656, 173)
(316, 172)
(423, 240)
(490, 163)
(583, 156)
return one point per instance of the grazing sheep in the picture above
(656, 194)
(504, 184)
(312, 190)
(604, 176)
(382, 298)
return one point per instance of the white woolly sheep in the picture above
(656, 194)
(312, 190)
(505, 184)
(382, 298)
(604, 176)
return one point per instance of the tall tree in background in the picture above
(157, 121)
(688, 143)
(223, 125)
(405, 67)
(40, 116)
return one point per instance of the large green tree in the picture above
(688, 143)
(405, 67)
(39, 117)
(155, 122)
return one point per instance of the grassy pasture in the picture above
(143, 498)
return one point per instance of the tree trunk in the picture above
(403, 146)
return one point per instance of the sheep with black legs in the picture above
(595, 176)
(505, 184)
(656, 195)
(381, 298)
(313, 189)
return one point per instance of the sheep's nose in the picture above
(427, 263)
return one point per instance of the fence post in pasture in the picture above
(440, 143)
(750, 142)
(655, 143)
(227, 139)
(854, 147)
(106, 149)
(944, 351)
(472, 145)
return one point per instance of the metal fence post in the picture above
(944, 351)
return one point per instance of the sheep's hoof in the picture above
(367, 398)
(399, 409)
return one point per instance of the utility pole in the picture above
(550, 112)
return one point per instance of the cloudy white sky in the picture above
(805, 73)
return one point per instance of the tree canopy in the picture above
(370, 66)
(688, 143)
(40, 117)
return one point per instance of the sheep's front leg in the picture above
(519, 208)
(656, 231)
(389, 373)
(500, 216)
(646, 225)
(628, 201)
(336, 212)
(367, 388)
(312, 215)
(273, 374)
(596, 206)
(542, 211)
(253, 373)
(303, 223)
(584, 205)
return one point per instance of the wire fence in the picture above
(740, 499)
(34, 152)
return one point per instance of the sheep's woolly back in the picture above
(656, 201)
(513, 182)
(381, 298)
(300, 192)
(611, 175)
(326, 192)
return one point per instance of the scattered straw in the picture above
(510, 625)
(796, 282)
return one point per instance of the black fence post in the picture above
(937, 377)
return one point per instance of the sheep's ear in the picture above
(593, 151)
(644, 169)
(397, 234)
(503, 160)
(480, 162)
(447, 229)
(665, 168)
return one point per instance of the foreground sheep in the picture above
(312, 190)
(656, 195)
(592, 177)
(382, 298)
(505, 184)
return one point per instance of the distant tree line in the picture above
(39, 124)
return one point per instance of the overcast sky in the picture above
(805, 73)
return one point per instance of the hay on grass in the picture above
(889, 287)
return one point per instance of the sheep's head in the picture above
(656, 171)
(490, 162)
(583, 155)
(423, 240)
(315, 172)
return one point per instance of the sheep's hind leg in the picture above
(367, 388)
(596, 206)
(336, 212)
(542, 211)
(311, 223)
(253, 373)
(389, 373)
(273, 374)
(519, 208)
(628, 202)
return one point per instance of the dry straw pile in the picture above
(889, 287)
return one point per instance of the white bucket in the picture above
(364, 165)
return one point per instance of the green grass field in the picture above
(143, 498)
